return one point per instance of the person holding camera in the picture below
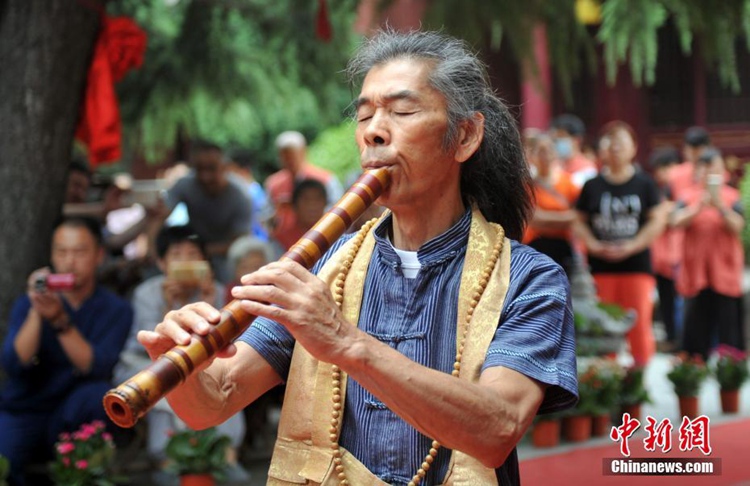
(186, 278)
(710, 278)
(64, 337)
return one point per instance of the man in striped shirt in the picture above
(433, 290)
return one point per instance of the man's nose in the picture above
(65, 263)
(377, 131)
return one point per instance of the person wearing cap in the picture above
(295, 167)
(568, 132)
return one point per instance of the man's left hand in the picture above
(292, 296)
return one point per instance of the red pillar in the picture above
(536, 106)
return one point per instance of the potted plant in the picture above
(687, 375)
(633, 392)
(84, 458)
(546, 430)
(607, 386)
(4, 470)
(198, 457)
(576, 422)
(731, 372)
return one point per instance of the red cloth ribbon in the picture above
(323, 28)
(120, 47)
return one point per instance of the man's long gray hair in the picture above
(496, 178)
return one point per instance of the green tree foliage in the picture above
(336, 150)
(237, 72)
(489, 23)
(627, 32)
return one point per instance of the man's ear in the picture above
(470, 135)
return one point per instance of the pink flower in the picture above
(65, 436)
(82, 464)
(65, 447)
(107, 436)
(88, 429)
(730, 351)
(82, 435)
(66, 461)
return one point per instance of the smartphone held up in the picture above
(189, 273)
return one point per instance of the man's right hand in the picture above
(176, 329)
(47, 304)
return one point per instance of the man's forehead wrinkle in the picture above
(404, 94)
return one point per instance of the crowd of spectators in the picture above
(672, 225)
(126, 253)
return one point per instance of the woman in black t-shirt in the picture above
(619, 215)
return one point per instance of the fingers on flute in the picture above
(263, 293)
(283, 274)
(178, 324)
(272, 312)
(207, 311)
(154, 343)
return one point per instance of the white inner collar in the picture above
(409, 262)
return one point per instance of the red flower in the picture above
(729, 351)
(66, 447)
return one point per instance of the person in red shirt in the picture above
(711, 274)
(292, 148)
(549, 230)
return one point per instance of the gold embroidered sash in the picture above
(302, 454)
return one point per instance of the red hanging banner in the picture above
(323, 28)
(120, 47)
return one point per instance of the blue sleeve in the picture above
(270, 339)
(273, 342)
(11, 363)
(536, 336)
(109, 337)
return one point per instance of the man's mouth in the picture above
(376, 164)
